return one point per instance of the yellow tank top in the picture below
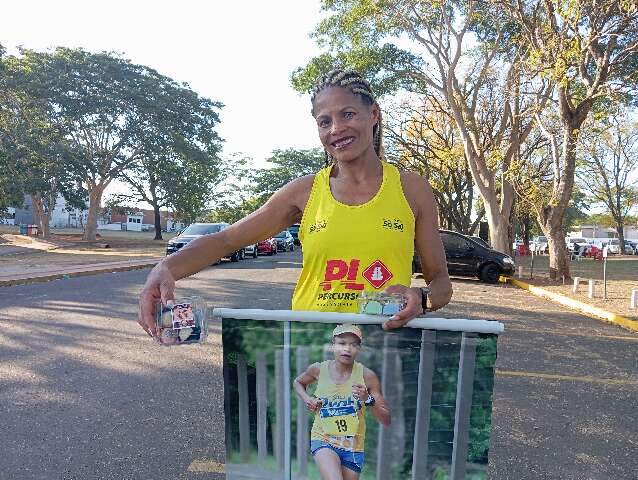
(341, 419)
(349, 249)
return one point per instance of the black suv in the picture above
(468, 258)
(196, 230)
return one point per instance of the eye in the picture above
(323, 123)
(349, 115)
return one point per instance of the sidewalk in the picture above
(20, 275)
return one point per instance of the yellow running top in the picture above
(349, 249)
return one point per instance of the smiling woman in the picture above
(360, 219)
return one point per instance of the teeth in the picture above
(343, 143)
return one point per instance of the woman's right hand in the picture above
(159, 286)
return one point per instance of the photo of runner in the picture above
(183, 316)
(345, 390)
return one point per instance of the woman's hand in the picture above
(359, 392)
(313, 403)
(412, 308)
(159, 286)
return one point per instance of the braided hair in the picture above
(355, 83)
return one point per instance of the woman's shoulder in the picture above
(417, 191)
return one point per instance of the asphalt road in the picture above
(84, 394)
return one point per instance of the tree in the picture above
(609, 168)
(589, 49)
(286, 165)
(247, 188)
(34, 148)
(423, 138)
(463, 52)
(114, 112)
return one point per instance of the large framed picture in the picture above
(306, 391)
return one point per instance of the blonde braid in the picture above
(358, 85)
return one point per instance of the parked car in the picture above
(480, 241)
(251, 250)
(468, 258)
(294, 231)
(267, 247)
(634, 245)
(614, 247)
(538, 245)
(572, 241)
(285, 241)
(196, 230)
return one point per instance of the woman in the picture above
(345, 389)
(360, 219)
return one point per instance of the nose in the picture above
(336, 127)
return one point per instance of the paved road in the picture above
(84, 395)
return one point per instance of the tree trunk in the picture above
(551, 223)
(95, 203)
(558, 253)
(525, 228)
(43, 215)
(158, 222)
(620, 229)
(498, 225)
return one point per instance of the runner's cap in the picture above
(348, 328)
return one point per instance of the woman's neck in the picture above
(342, 368)
(360, 169)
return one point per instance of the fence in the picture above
(436, 376)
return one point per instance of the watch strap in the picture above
(424, 298)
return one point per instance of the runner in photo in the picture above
(183, 315)
(345, 389)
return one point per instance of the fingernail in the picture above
(169, 303)
(393, 317)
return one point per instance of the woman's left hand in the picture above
(412, 308)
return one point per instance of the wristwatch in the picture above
(369, 401)
(424, 298)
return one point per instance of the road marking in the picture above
(573, 334)
(206, 466)
(549, 376)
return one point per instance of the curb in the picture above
(45, 277)
(589, 310)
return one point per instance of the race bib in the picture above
(339, 421)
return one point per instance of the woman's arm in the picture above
(429, 247)
(300, 384)
(283, 209)
(380, 409)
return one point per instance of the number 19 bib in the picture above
(339, 421)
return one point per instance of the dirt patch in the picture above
(622, 277)
(68, 249)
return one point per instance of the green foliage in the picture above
(286, 165)
(34, 150)
(576, 212)
(248, 188)
(98, 117)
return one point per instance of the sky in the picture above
(239, 53)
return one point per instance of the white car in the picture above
(614, 247)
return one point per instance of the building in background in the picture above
(598, 232)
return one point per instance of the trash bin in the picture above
(34, 230)
(23, 229)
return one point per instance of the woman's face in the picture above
(346, 347)
(344, 123)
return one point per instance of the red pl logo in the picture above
(377, 274)
(341, 270)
